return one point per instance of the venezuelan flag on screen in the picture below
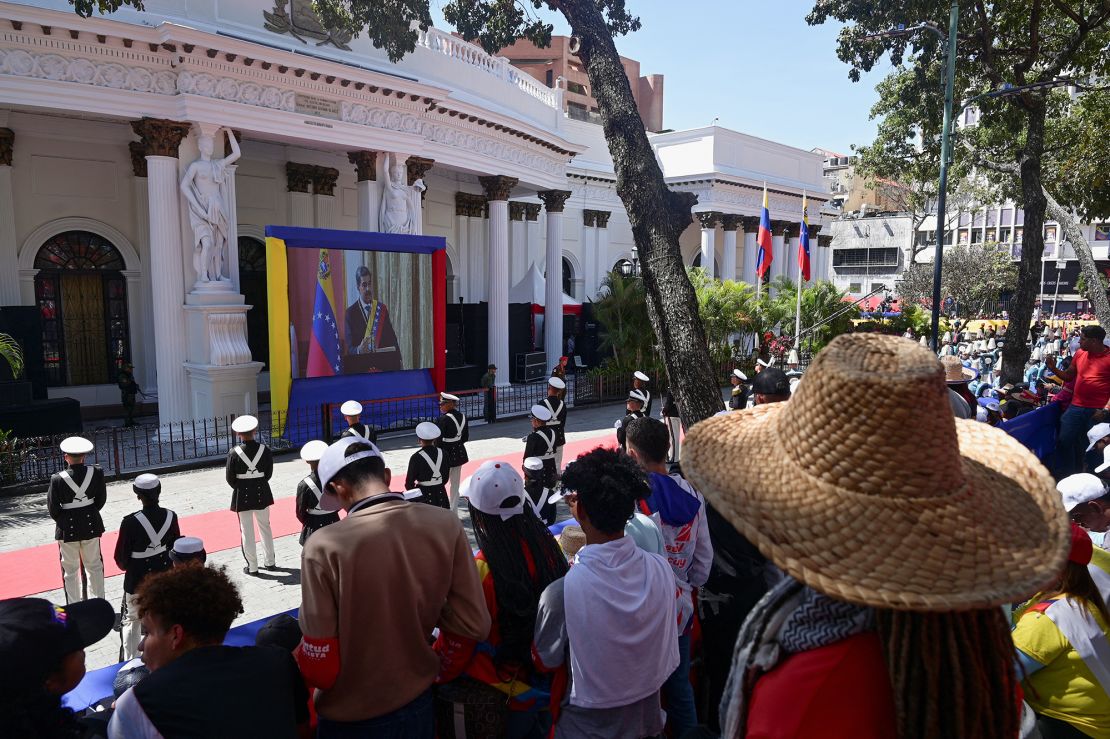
(323, 345)
(763, 239)
(803, 242)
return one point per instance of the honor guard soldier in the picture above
(249, 469)
(560, 371)
(541, 443)
(145, 540)
(454, 434)
(74, 499)
(738, 400)
(188, 551)
(635, 407)
(639, 382)
(427, 467)
(542, 497)
(352, 412)
(309, 512)
(556, 389)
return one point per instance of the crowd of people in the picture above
(848, 551)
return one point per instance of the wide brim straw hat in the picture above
(922, 521)
(955, 372)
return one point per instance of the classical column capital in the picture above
(472, 206)
(516, 210)
(708, 218)
(814, 229)
(554, 200)
(731, 221)
(298, 177)
(531, 211)
(161, 137)
(365, 162)
(780, 228)
(498, 187)
(824, 240)
(417, 167)
(7, 142)
(751, 223)
(324, 180)
(589, 217)
(602, 218)
(138, 158)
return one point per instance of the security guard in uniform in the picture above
(635, 407)
(145, 540)
(639, 382)
(427, 467)
(556, 388)
(541, 443)
(74, 499)
(455, 432)
(352, 412)
(738, 401)
(250, 465)
(309, 492)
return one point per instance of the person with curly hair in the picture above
(612, 623)
(197, 686)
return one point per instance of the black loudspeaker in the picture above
(23, 324)
(475, 330)
(520, 329)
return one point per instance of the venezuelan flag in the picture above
(323, 345)
(763, 239)
(803, 242)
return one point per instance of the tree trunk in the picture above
(1095, 292)
(1016, 351)
(658, 217)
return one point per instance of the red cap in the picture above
(1082, 548)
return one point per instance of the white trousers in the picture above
(675, 425)
(132, 629)
(454, 479)
(559, 460)
(74, 554)
(246, 531)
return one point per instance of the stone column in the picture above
(298, 181)
(708, 238)
(816, 256)
(366, 174)
(143, 355)
(602, 249)
(462, 231)
(751, 249)
(233, 217)
(730, 223)
(497, 189)
(533, 247)
(591, 249)
(417, 168)
(554, 202)
(160, 140)
(9, 250)
(324, 180)
(518, 243)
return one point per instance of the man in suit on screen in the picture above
(367, 326)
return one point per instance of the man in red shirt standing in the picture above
(1090, 368)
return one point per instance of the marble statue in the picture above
(400, 211)
(206, 189)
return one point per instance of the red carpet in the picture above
(37, 569)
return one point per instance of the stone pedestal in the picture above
(223, 380)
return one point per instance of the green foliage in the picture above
(726, 307)
(974, 276)
(625, 329)
(86, 8)
(12, 354)
(822, 303)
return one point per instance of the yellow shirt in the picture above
(1064, 688)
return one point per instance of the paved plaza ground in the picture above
(27, 532)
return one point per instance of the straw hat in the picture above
(955, 372)
(912, 524)
(571, 539)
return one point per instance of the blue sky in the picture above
(754, 64)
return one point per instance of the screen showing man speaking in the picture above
(355, 311)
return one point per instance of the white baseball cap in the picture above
(1079, 489)
(75, 445)
(541, 413)
(556, 383)
(740, 375)
(641, 376)
(427, 431)
(351, 408)
(334, 459)
(243, 424)
(313, 450)
(496, 489)
(1097, 433)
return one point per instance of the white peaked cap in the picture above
(792, 358)
(556, 383)
(188, 545)
(991, 344)
(351, 408)
(541, 413)
(923, 342)
(448, 397)
(243, 424)
(313, 450)
(740, 375)
(637, 395)
(427, 431)
(533, 463)
(75, 445)
(146, 481)
(641, 376)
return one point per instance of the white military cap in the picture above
(541, 413)
(637, 395)
(243, 424)
(313, 450)
(740, 375)
(792, 358)
(75, 445)
(351, 408)
(188, 548)
(146, 481)
(533, 463)
(641, 376)
(448, 398)
(556, 383)
(427, 431)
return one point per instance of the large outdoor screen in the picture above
(353, 311)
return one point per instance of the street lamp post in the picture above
(945, 145)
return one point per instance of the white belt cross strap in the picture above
(1085, 636)
(252, 464)
(354, 432)
(539, 504)
(459, 426)
(316, 510)
(80, 499)
(550, 454)
(554, 413)
(436, 478)
(156, 546)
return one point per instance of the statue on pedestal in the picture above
(400, 211)
(206, 189)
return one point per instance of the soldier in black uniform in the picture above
(352, 412)
(554, 402)
(74, 499)
(738, 401)
(541, 443)
(634, 405)
(145, 540)
(309, 492)
(427, 467)
(455, 432)
(249, 469)
(639, 382)
(542, 496)
(128, 389)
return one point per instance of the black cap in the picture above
(35, 635)
(491, 366)
(282, 631)
(771, 381)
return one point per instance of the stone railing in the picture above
(452, 46)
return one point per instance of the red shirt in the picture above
(1092, 379)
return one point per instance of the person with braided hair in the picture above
(517, 559)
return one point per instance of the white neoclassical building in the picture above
(101, 117)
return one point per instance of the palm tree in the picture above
(622, 312)
(12, 353)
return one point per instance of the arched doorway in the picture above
(697, 263)
(568, 278)
(81, 295)
(252, 283)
